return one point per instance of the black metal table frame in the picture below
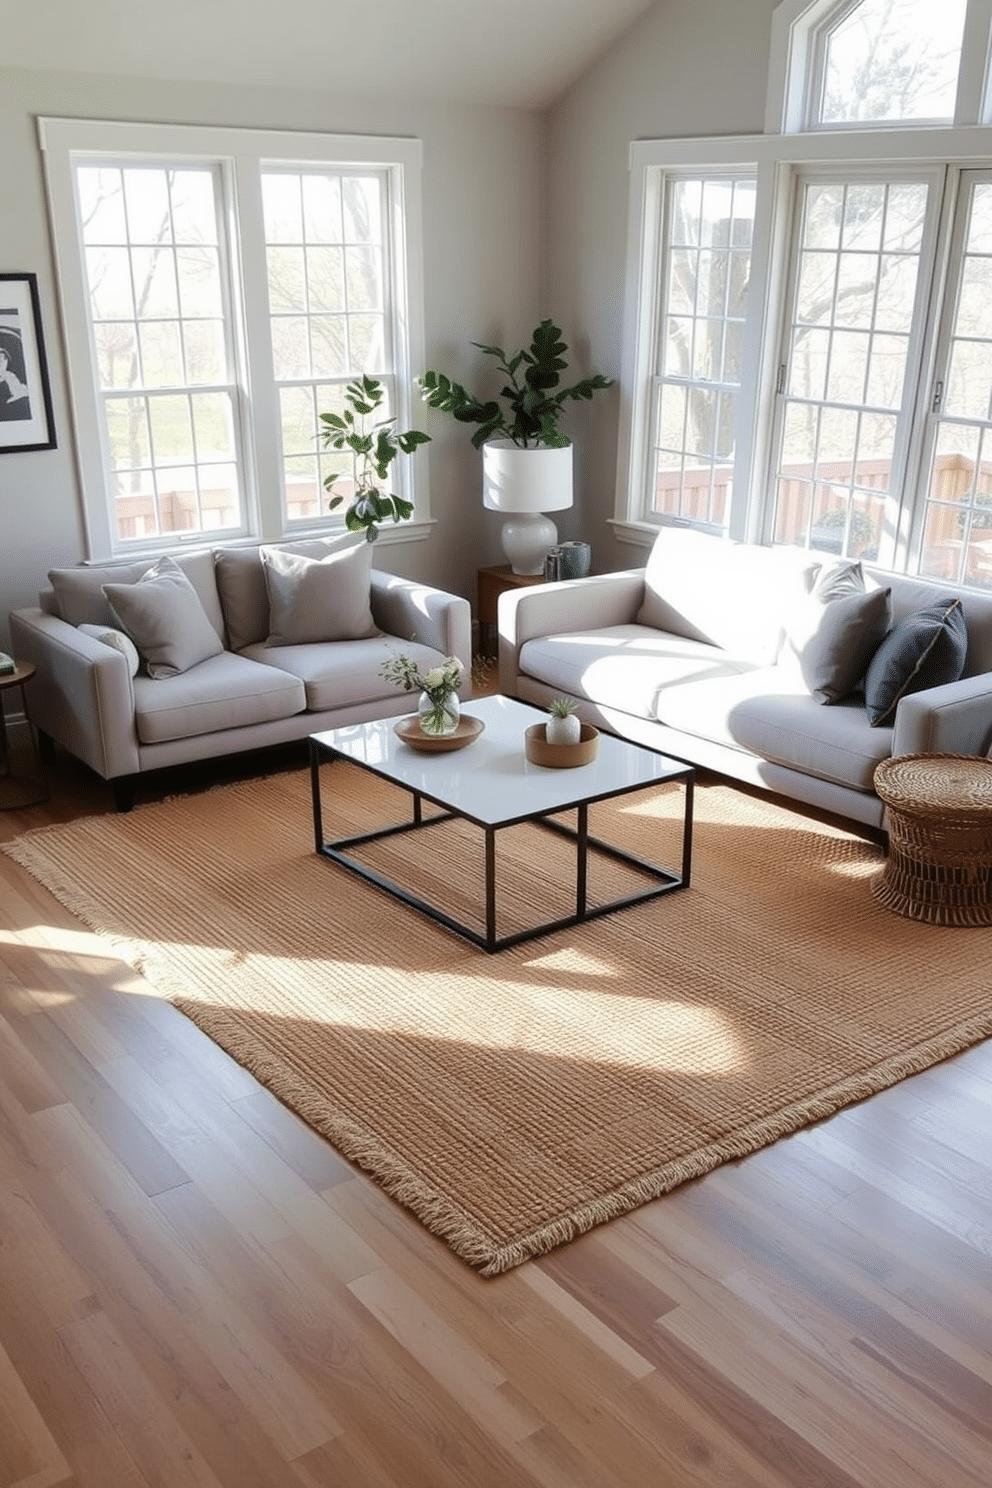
(664, 880)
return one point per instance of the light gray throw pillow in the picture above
(163, 615)
(319, 599)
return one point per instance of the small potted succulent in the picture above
(564, 726)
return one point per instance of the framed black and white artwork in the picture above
(25, 397)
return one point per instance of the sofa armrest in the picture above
(550, 609)
(416, 612)
(81, 694)
(953, 719)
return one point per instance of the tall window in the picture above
(163, 348)
(220, 287)
(863, 397)
(705, 269)
(956, 541)
(856, 298)
(327, 258)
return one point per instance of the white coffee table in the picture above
(492, 784)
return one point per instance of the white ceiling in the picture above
(520, 53)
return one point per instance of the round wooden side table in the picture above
(939, 867)
(18, 790)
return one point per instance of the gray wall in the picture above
(688, 68)
(482, 193)
(525, 215)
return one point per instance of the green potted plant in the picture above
(530, 403)
(564, 726)
(375, 445)
(527, 460)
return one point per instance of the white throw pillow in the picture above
(118, 640)
(163, 615)
(319, 599)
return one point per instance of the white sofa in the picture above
(254, 686)
(703, 655)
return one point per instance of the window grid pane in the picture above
(160, 330)
(706, 266)
(845, 364)
(328, 275)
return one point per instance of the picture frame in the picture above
(26, 421)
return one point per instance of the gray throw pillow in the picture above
(163, 615)
(319, 599)
(925, 649)
(833, 634)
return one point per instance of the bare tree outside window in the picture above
(892, 61)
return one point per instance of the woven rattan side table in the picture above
(939, 867)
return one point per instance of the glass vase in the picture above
(438, 715)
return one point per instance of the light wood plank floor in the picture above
(196, 1290)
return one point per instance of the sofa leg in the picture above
(46, 747)
(123, 789)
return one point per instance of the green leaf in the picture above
(409, 441)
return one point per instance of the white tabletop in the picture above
(491, 781)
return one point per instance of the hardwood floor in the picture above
(196, 1290)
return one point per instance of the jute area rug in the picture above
(514, 1101)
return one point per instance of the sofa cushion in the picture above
(79, 596)
(347, 672)
(922, 650)
(733, 595)
(162, 614)
(223, 692)
(80, 600)
(319, 599)
(769, 713)
(241, 585)
(832, 634)
(623, 666)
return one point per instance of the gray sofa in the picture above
(263, 645)
(703, 655)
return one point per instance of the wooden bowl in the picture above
(561, 756)
(409, 730)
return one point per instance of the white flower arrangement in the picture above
(439, 683)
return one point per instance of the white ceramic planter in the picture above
(563, 730)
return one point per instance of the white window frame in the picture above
(776, 160)
(797, 28)
(241, 155)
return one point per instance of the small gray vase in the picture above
(575, 560)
